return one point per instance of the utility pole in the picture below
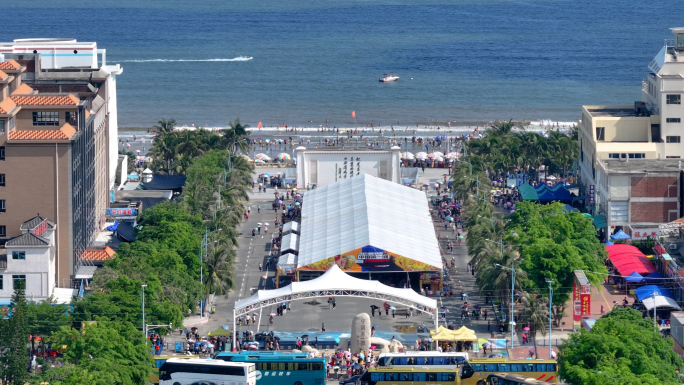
(143, 310)
(550, 281)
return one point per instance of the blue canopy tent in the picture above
(654, 277)
(567, 207)
(620, 235)
(648, 291)
(634, 278)
(609, 243)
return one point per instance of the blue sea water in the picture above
(460, 60)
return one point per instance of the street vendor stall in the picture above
(459, 340)
(287, 264)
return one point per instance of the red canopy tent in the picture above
(627, 259)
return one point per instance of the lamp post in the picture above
(477, 191)
(500, 243)
(143, 310)
(655, 322)
(203, 250)
(489, 219)
(550, 281)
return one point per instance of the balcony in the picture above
(3, 261)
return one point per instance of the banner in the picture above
(369, 258)
(353, 114)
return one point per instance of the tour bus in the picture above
(158, 362)
(282, 368)
(428, 359)
(230, 356)
(410, 375)
(477, 369)
(510, 379)
(177, 371)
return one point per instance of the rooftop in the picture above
(35, 222)
(610, 111)
(28, 239)
(24, 89)
(9, 65)
(64, 133)
(641, 165)
(52, 100)
(98, 254)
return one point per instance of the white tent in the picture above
(287, 263)
(290, 242)
(367, 211)
(291, 227)
(661, 302)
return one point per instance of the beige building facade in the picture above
(629, 155)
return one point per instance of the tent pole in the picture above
(434, 311)
(234, 332)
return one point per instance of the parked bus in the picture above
(410, 375)
(208, 372)
(428, 359)
(477, 369)
(158, 362)
(511, 379)
(283, 368)
(229, 356)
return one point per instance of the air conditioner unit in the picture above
(673, 246)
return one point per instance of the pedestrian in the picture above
(488, 325)
(408, 312)
(394, 314)
(323, 327)
(373, 312)
(260, 267)
(259, 229)
(258, 209)
(485, 314)
(603, 310)
(334, 303)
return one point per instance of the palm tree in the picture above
(495, 279)
(236, 137)
(219, 271)
(502, 128)
(165, 126)
(190, 144)
(536, 313)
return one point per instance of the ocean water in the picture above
(316, 61)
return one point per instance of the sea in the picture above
(313, 62)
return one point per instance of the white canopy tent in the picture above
(290, 242)
(661, 302)
(287, 262)
(367, 211)
(291, 227)
(335, 282)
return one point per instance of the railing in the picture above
(3, 261)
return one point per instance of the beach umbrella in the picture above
(267, 140)
(265, 223)
(266, 175)
(259, 161)
(280, 201)
(526, 328)
(337, 340)
(436, 154)
(421, 155)
(283, 156)
(272, 314)
(408, 155)
(450, 219)
(393, 308)
(262, 156)
(453, 155)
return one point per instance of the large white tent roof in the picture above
(367, 211)
(661, 302)
(290, 242)
(338, 281)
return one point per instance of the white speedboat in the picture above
(389, 78)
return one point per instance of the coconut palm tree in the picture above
(219, 271)
(536, 313)
(236, 137)
(164, 126)
(495, 279)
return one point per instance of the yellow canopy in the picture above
(444, 334)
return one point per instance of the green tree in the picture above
(14, 332)
(165, 127)
(45, 317)
(103, 352)
(236, 137)
(622, 348)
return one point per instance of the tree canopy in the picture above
(622, 348)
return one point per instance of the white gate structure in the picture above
(335, 283)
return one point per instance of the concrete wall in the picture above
(653, 212)
(38, 267)
(654, 186)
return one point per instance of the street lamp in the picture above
(489, 219)
(143, 309)
(512, 299)
(477, 191)
(203, 248)
(550, 281)
(500, 243)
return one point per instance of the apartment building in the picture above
(57, 141)
(630, 155)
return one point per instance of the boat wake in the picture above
(239, 58)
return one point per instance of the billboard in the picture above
(369, 259)
(581, 296)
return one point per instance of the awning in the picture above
(660, 303)
(634, 277)
(527, 192)
(628, 259)
(599, 221)
(620, 235)
(291, 227)
(444, 334)
(287, 263)
(290, 242)
(649, 291)
(654, 277)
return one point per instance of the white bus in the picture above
(426, 359)
(206, 372)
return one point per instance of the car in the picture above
(353, 380)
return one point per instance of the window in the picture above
(673, 120)
(614, 156)
(1, 283)
(2, 206)
(3, 231)
(46, 118)
(18, 255)
(19, 281)
(600, 133)
(673, 139)
(70, 117)
(2, 153)
(2, 127)
(2, 179)
(674, 99)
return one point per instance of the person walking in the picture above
(260, 267)
(323, 327)
(408, 313)
(394, 313)
(485, 314)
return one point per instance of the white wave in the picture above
(239, 58)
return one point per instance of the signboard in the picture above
(586, 305)
(369, 258)
(123, 212)
(581, 296)
(644, 233)
(576, 303)
(591, 194)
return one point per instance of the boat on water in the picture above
(244, 58)
(389, 78)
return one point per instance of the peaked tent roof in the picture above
(634, 277)
(661, 302)
(367, 211)
(527, 192)
(336, 279)
(649, 290)
(654, 277)
(620, 235)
